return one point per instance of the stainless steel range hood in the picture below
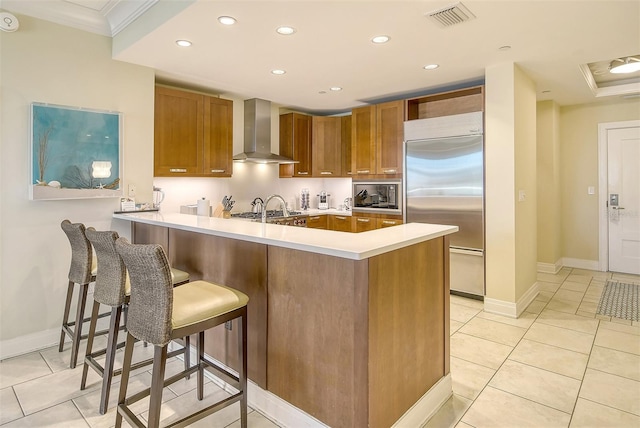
(257, 134)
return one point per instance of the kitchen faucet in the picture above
(285, 212)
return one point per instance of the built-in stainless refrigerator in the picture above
(444, 184)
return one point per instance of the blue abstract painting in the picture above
(75, 148)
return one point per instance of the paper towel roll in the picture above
(203, 207)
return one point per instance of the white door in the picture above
(623, 154)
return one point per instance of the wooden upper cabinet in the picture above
(389, 137)
(363, 140)
(326, 146)
(345, 128)
(218, 137)
(193, 134)
(178, 133)
(295, 143)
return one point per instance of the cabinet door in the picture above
(340, 223)
(326, 146)
(345, 128)
(218, 137)
(178, 133)
(389, 137)
(317, 221)
(295, 142)
(361, 224)
(387, 222)
(363, 136)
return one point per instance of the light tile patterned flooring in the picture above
(557, 365)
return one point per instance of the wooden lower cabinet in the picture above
(387, 222)
(340, 223)
(362, 224)
(317, 221)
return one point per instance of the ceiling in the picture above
(560, 44)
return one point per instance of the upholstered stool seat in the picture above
(159, 313)
(113, 288)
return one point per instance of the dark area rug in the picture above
(620, 299)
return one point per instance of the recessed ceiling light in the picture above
(278, 72)
(322, 92)
(285, 30)
(624, 65)
(380, 39)
(336, 88)
(431, 66)
(226, 20)
(183, 43)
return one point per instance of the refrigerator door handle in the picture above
(477, 253)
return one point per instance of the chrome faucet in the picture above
(285, 212)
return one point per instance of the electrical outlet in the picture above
(132, 190)
(521, 196)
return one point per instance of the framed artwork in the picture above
(75, 153)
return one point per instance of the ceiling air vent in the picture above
(451, 15)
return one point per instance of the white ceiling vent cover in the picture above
(451, 15)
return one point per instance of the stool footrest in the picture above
(226, 375)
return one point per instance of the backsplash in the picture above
(248, 182)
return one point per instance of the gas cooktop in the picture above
(270, 214)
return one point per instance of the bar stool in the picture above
(113, 289)
(82, 271)
(158, 313)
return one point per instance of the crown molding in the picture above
(114, 17)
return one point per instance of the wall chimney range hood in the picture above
(257, 134)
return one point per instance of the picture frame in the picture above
(75, 153)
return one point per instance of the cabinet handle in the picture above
(303, 173)
(340, 218)
(362, 171)
(177, 169)
(314, 218)
(389, 171)
(364, 220)
(388, 222)
(326, 173)
(218, 170)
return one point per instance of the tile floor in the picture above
(559, 364)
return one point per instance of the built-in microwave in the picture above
(377, 196)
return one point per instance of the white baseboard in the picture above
(581, 264)
(428, 405)
(550, 267)
(510, 309)
(29, 343)
(285, 414)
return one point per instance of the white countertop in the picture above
(355, 246)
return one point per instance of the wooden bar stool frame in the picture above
(158, 382)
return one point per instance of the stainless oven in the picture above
(377, 196)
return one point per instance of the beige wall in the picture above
(525, 182)
(579, 160)
(510, 167)
(549, 185)
(48, 63)
(500, 182)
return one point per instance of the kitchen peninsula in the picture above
(351, 329)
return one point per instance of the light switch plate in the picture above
(521, 196)
(132, 191)
(591, 190)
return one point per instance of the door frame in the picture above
(603, 174)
